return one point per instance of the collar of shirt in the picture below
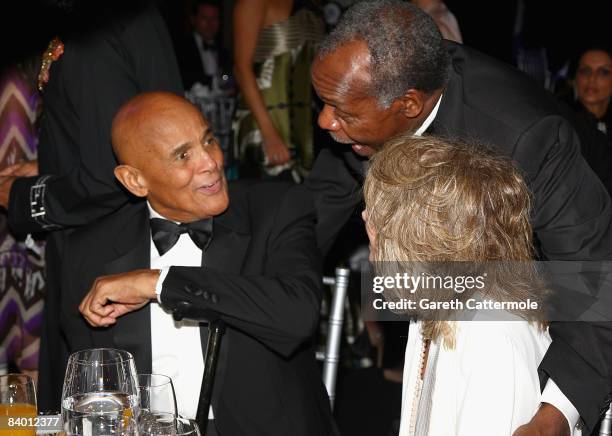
(184, 253)
(200, 42)
(430, 118)
(153, 213)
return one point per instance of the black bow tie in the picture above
(165, 233)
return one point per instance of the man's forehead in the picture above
(344, 71)
(208, 10)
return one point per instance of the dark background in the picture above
(562, 28)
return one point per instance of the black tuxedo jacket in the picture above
(260, 275)
(190, 62)
(490, 102)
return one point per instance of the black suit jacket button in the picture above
(198, 292)
(179, 312)
(214, 298)
(183, 305)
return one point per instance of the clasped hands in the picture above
(12, 172)
(115, 295)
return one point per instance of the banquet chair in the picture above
(331, 355)
(606, 423)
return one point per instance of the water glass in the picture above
(166, 424)
(103, 382)
(96, 424)
(157, 394)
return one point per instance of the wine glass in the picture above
(157, 394)
(96, 424)
(17, 400)
(101, 381)
(166, 424)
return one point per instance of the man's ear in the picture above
(412, 103)
(132, 179)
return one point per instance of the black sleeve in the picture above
(335, 183)
(572, 221)
(281, 306)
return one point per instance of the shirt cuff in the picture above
(553, 396)
(160, 282)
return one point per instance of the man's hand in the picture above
(549, 421)
(113, 296)
(6, 182)
(276, 150)
(21, 169)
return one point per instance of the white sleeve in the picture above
(553, 396)
(160, 282)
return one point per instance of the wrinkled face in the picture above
(594, 77)
(350, 114)
(206, 21)
(184, 168)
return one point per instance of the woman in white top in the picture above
(433, 201)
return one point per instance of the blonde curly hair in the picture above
(433, 200)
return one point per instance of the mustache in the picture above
(341, 141)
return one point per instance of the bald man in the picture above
(243, 253)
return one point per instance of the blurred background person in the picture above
(201, 56)
(274, 43)
(593, 88)
(444, 18)
(22, 280)
(586, 91)
(205, 67)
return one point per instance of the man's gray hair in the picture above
(406, 47)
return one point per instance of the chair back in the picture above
(606, 424)
(339, 284)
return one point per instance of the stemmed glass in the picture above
(156, 394)
(100, 384)
(95, 424)
(166, 424)
(17, 400)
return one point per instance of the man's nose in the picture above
(327, 119)
(206, 162)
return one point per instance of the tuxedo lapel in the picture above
(227, 249)
(133, 331)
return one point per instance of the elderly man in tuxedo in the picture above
(384, 71)
(243, 253)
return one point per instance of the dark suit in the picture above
(190, 62)
(489, 102)
(260, 275)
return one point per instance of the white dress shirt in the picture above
(176, 347)
(551, 394)
(430, 118)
